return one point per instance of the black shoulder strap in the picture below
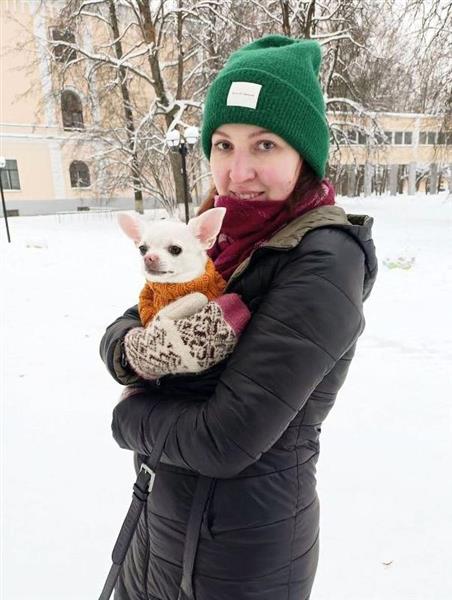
(139, 498)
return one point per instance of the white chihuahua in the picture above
(175, 253)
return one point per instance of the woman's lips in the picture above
(247, 195)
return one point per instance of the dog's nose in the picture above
(151, 260)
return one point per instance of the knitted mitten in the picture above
(171, 344)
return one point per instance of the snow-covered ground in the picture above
(386, 496)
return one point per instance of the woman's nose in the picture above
(241, 169)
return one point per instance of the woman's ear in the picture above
(207, 226)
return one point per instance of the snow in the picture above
(386, 447)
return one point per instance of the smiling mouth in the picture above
(248, 195)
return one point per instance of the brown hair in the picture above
(307, 182)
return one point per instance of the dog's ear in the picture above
(207, 226)
(131, 226)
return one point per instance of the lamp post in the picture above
(5, 215)
(181, 143)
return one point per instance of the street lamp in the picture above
(2, 166)
(180, 143)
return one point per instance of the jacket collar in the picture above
(358, 226)
(291, 234)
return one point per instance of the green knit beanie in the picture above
(273, 83)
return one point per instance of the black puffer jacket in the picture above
(247, 435)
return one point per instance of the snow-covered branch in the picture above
(103, 58)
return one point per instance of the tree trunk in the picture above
(130, 125)
(309, 18)
(285, 17)
(160, 92)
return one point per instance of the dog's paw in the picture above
(184, 307)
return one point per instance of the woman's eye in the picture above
(266, 145)
(143, 249)
(222, 146)
(174, 250)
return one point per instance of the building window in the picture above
(61, 52)
(382, 137)
(431, 137)
(71, 109)
(428, 137)
(398, 137)
(388, 137)
(444, 138)
(79, 173)
(352, 136)
(408, 138)
(362, 138)
(10, 176)
(340, 136)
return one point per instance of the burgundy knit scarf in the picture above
(249, 223)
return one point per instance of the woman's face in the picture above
(251, 163)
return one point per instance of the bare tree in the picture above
(171, 50)
(145, 67)
(127, 106)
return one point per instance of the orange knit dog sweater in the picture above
(155, 295)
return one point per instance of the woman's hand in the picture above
(191, 344)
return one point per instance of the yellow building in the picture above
(48, 170)
(396, 152)
(49, 163)
(43, 168)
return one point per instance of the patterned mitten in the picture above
(189, 344)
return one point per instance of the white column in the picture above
(56, 166)
(40, 26)
(351, 180)
(40, 31)
(433, 178)
(412, 179)
(393, 172)
(368, 174)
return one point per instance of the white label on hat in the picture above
(243, 93)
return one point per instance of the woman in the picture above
(242, 449)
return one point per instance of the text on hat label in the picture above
(243, 93)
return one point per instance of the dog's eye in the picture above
(143, 249)
(174, 250)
